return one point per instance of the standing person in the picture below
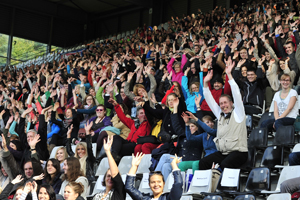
(231, 138)
(156, 182)
(114, 186)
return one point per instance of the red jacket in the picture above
(143, 130)
(216, 94)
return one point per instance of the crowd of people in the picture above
(181, 93)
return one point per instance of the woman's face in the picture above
(141, 91)
(195, 88)
(244, 71)
(80, 151)
(89, 100)
(100, 111)
(209, 123)
(43, 195)
(282, 65)
(13, 146)
(60, 155)
(50, 168)
(65, 167)
(193, 128)
(285, 82)
(156, 184)
(70, 194)
(177, 68)
(68, 113)
(18, 194)
(92, 92)
(108, 182)
(171, 99)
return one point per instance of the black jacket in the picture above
(174, 194)
(188, 150)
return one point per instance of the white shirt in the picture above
(282, 104)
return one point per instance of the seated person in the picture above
(253, 89)
(285, 105)
(156, 182)
(231, 138)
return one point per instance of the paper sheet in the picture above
(145, 181)
(201, 178)
(230, 177)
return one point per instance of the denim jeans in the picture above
(164, 165)
(294, 158)
(279, 122)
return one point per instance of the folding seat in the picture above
(145, 164)
(296, 148)
(201, 182)
(285, 136)
(144, 185)
(103, 167)
(272, 157)
(229, 183)
(288, 172)
(123, 34)
(127, 33)
(186, 197)
(170, 182)
(118, 36)
(258, 180)
(98, 186)
(258, 138)
(125, 164)
(283, 196)
(132, 32)
(265, 116)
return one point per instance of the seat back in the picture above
(288, 172)
(245, 197)
(145, 164)
(258, 138)
(144, 185)
(186, 198)
(285, 136)
(229, 181)
(271, 157)
(258, 180)
(103, 167)
(125, 164)
(296, 148)
(170, 182)
(266, 116)
(98, 186)
(201, 182)
(282, 196)
(213, 197)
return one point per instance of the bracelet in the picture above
(32, 149)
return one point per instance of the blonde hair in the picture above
(82, 160)
(65, 153)
(136, 87)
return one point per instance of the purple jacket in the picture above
(106, 122)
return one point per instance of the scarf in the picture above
(100, 196)
(67, 122)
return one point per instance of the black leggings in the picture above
(103, 135)
(122, 147)
(234, 159)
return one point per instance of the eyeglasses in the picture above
(89, 99)
(101, 109)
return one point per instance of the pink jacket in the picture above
(177, 76)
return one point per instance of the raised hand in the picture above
(197, 100)
(191, 115)
(240, 63)
(153, 98)
(209, 76)
(112, 101)
(107, 144)
(34, 186)
(88, 127)
(136, 160)
(28, 187)
(27, 111)
(69, 131)
(18, 179)
(56, 106)
(4, 145)
(175, 161)
(185, 118)
(39, 177)
(229, 66)
(32, 143)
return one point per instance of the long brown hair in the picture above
(74, 170)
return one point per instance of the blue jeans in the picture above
(164, 165)
(294, 158)
(279, 122)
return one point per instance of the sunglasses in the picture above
(99, 110)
